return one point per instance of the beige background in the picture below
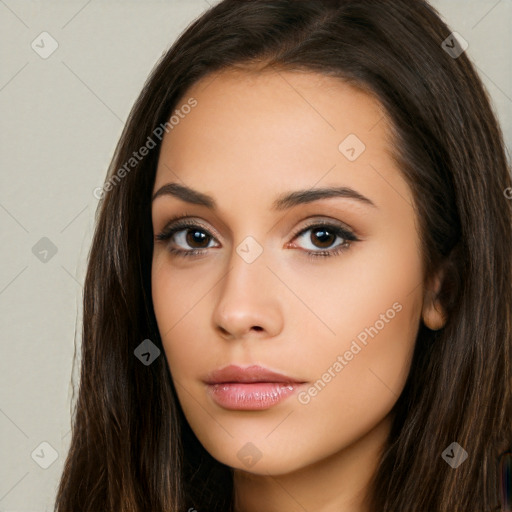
(60, 120)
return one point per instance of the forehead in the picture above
(235, 103)
(265, 131)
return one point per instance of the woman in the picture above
(340, 338)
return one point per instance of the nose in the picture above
(247, 302)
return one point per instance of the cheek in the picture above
(376, 323)
(179, 297)
(360, 378)
(354, 393)
(372, 292)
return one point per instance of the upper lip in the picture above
(255, 373)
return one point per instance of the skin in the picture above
(251, 137)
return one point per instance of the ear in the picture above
(433, 314)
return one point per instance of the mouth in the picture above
(250, 388)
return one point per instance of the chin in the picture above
(260, 457)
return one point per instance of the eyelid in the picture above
(317, 220)
(185, 220)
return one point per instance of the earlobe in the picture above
(433, 314)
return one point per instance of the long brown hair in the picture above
(132, 449)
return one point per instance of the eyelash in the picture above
(176, 225)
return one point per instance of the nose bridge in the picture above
(247, 266)
(246, 299)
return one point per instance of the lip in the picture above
(254, 373)
(249, 388)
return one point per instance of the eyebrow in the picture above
(283, 202)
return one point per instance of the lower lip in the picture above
(251, 396)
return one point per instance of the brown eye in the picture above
(186, 238)
(189, 239)
(323, 236)
(196, 236)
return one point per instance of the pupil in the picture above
(196, 233)
(324, 243)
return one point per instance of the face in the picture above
(324, 289)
